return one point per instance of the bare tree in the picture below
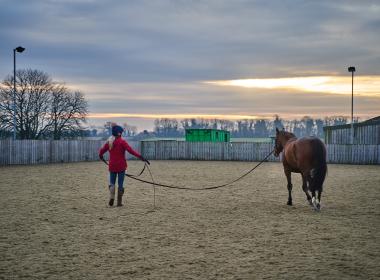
(166, 127)
(129, 130)
(43, 108)
(68, 111)
(226, 125)
(277, 123)
(185, 123)
(335, 120)
(261, 128)
(308, 126)
(33, 97)
(319, 128)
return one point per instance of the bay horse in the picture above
(306, 155)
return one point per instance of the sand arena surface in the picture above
(55, 224)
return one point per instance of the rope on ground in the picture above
(195, 189)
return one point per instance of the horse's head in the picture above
(277, 143)
(282, 138)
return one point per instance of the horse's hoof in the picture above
(316, 207)
(315, 204)
(289, 203)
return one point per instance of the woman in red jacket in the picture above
(117, 146)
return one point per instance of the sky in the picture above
(136, 61)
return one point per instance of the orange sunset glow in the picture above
(364, 85)
(170, 116)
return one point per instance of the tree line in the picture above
(305, 126)
(44, 108)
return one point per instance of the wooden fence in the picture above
(46, 151)
(353, 154)
(166, 150)
(50, 151)
(364, 133)
(250, 151)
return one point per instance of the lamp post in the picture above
(352, 70)
(20, 50)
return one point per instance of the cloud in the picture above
(183, 41)
(364, 85)
(151, 56)
(200, 98)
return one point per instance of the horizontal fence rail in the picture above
(55, 151)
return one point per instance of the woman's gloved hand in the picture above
(145, 160)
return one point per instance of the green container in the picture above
(207, 135)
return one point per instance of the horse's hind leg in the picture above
(319, 200)
(305, 189)
(290, 186)
(316, 202)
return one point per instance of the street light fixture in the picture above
(352, 70)
(20, 50)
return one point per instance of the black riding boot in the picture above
(120, 197)
(112, 195)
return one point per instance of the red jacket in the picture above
(118, 162)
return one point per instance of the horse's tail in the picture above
(318, 173)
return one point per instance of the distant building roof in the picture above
(372, 121)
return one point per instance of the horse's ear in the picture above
(277, 131)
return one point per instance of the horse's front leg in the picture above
(288, 175)
(305, 189)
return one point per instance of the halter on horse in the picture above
(306, 155)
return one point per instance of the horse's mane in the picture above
(288, 135)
